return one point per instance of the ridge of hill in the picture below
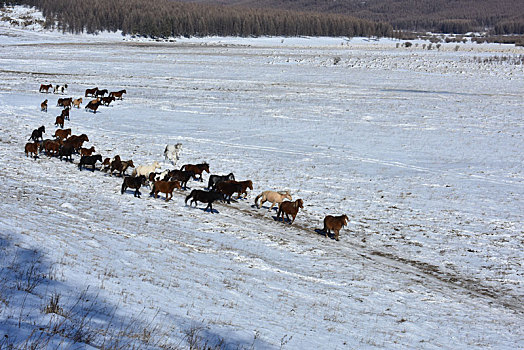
(451, 16)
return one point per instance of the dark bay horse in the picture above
(45, 87)
(133, 182)
(89, 160)
(228, 188)
(91, 92)
(197, 169)
(37, 134)
(216, 179)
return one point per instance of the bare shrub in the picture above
(53, 306)
(29, 277)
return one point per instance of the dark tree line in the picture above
(164, 18)
(445, 16)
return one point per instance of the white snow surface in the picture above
(423, 150)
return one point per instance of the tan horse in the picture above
(273, 197)
(334, 223)
(77, 102)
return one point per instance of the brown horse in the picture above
(87, 151)
(197, 169)
(43, 106)
(32, 148)
(121, 166)
(64, 102)
(106, 164)
(76, 141)
(45, 88)
(166, 187)
(116, 163)
(91, 92)
(59, 121)
(62, 134)
(77, 102)
(117, 94)
(290, 208)
(51, 148)
(67, 103)
(334, 223)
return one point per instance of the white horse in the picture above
(273, 197)
(172, 152)
(146, 169)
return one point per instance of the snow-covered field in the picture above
(423, 150)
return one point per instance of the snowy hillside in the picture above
(422, 149)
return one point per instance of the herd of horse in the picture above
(219, 187)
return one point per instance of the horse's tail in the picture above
(123, 187)
(256, 199)
(183, 167)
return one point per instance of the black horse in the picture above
(37, 134)
(182, 176)
(214, 180)
(133, 182)
(89, 160)
(204, 197)
(67, 152)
